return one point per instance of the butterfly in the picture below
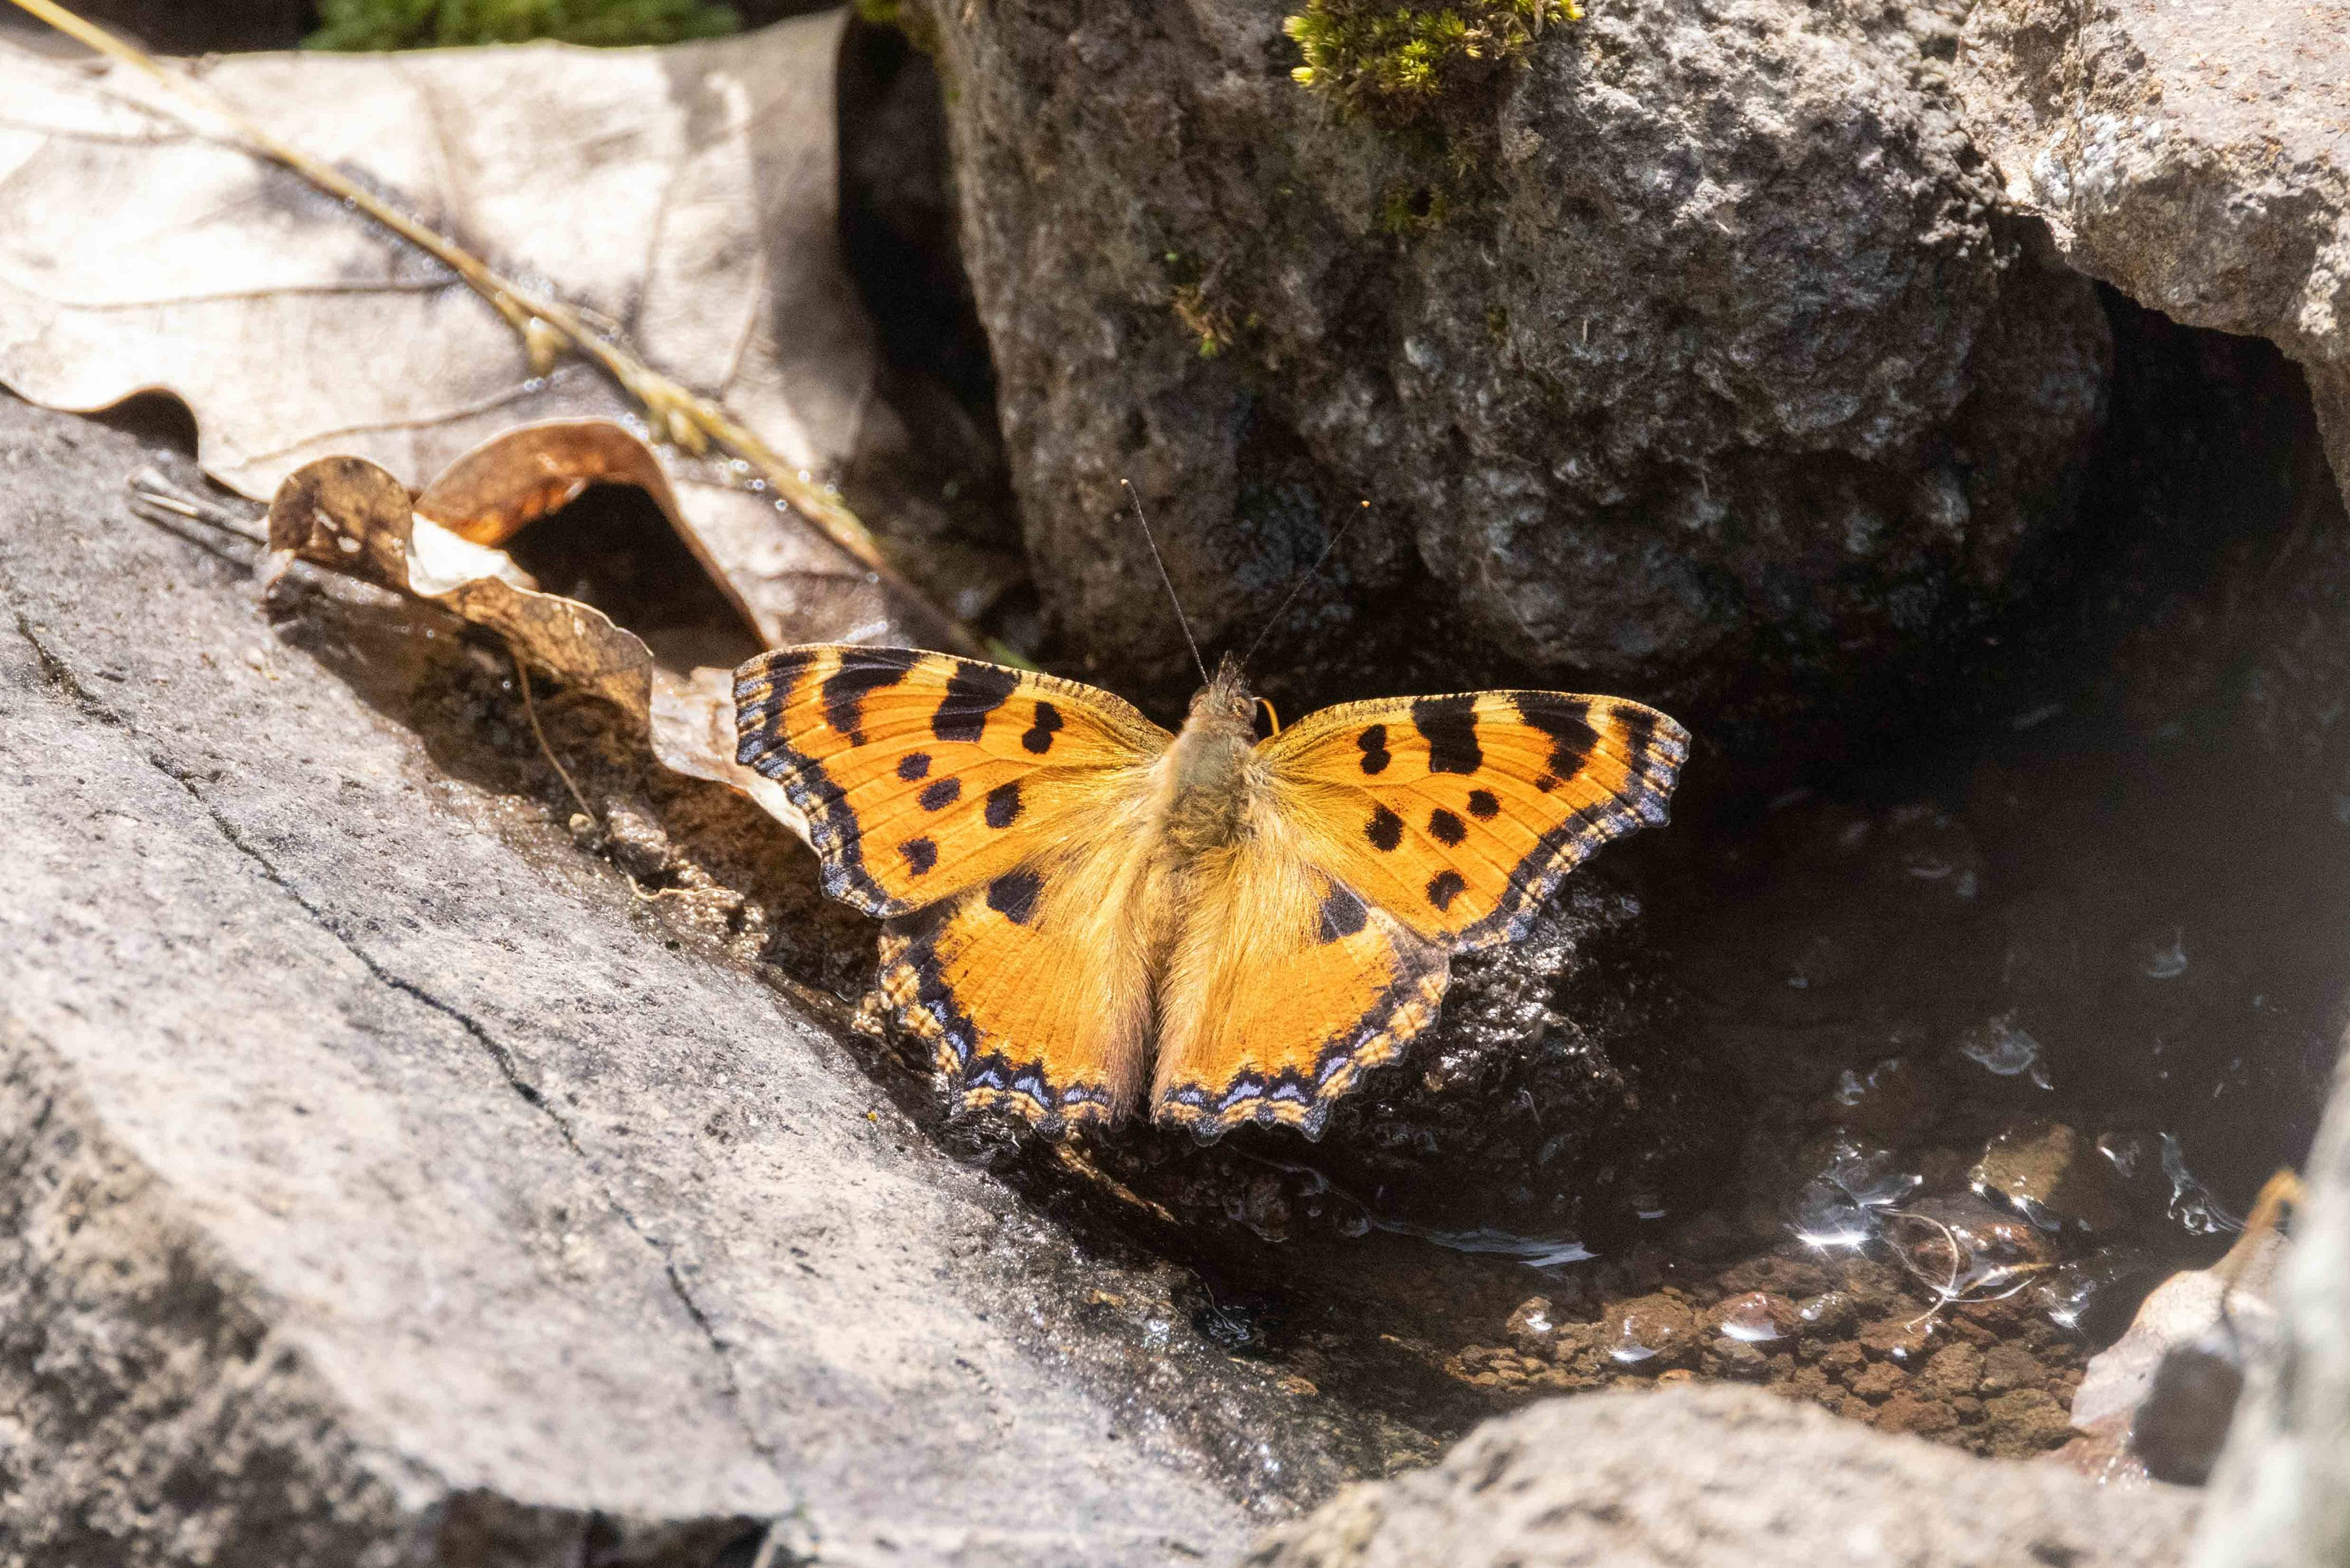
(1083, 912)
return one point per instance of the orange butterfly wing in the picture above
(1283, 988)
(1386, 836)
(992, 817)
(1459, 814)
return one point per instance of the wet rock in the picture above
(1879, 1379)
(2194, 162)
(1757, 1317)
(1953, 1371)
(1962, 1248)
(1844, 1205)
(1648, 1332)
(2178, 1429)
(1725, 1477)
(1892, 1102)
(2053, 1175)
(2007, 1367)
(1726, 416)
(1552, 1094)
(1533, 1327)
(1826, 1314)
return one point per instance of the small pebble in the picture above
(2051, 1174)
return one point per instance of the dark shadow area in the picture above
(613, 549)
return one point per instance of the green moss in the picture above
(1414, 208)
(429, 23)
(1397, 63)
(910, 20)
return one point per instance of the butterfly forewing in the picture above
(1458, 814)
(922, 774)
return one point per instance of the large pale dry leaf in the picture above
(684, 195)
(349, 515)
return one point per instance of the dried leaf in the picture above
(2136, 1416)
(685, 196)
(349, 515)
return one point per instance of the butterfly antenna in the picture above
(1299, 586)
(1163, 577)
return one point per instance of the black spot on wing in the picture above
(1385, 830)
(914, 765)
(862, 672)
(1004, 805)
(1443, 888)
(940, 793)
(1374, 742)
(1014, 895)
(973, 691)
(1449, 725)
(1038, 737)
(1566, 722)
(1448, 828)
(921, 855)
(1482, 806)
(1342, 915)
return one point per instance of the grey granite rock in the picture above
(1730, 1477)
(2196, 158)
(1694, 362)
(387, 1184)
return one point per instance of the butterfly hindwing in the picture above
(1034, 990)
(1283, 985)
(1459, 814)
(923, 774)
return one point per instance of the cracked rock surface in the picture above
(380, 1192)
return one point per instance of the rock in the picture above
(1691, 360)
(1648, 1331)
(1893, 1102)
(2175, 1315)
(389, 1183)
(2053, 1175)
(1533, 1327)
(2280, 1496)
(1756, 1317)
(1700, 1477)
(2199, 162)
(2027, 1421)
(1953, 1371)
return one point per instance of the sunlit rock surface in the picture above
(2198, 158)
(387, 1184)
(1703, 1476)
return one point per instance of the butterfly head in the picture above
(1225, 705)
